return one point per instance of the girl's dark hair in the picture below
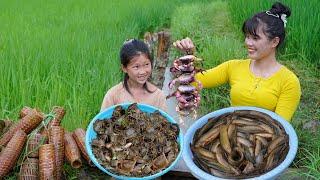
(129, 50)
(270, 21)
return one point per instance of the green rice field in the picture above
(65, 53)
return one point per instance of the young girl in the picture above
(260, 80)
(136, 63)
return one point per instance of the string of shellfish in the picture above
(185, 88)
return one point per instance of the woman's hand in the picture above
(185, 45)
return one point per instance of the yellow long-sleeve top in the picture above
(279, 93)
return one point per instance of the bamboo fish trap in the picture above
(29, 169)
(72, 151)
(59, 114)
(33, 145)
(47, 164)
(56, 137)
(11, 152)
(24, 111)
(27, 124)
(79, 136)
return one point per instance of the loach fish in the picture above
(236, 156)
(204, 153)
(241, 144)
(257, 148)
(214, 145)
(221, 159)
(208, 136)
(276, 142)
(215, 121)
(224, 139)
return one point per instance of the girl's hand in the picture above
(185, 45)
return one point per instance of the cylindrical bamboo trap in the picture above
(34, 144)
(5, 125)
(47, 163)
(5, 138)
(59, 113)
(71, 150)
(24, 111)
(44, 134)
(27, 124)
(29, 169)
(10, 154)
(79, 136)
(31, 121)
(8, 123)
(56, 137)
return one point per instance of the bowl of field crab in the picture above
(240, 143)
(134, 141)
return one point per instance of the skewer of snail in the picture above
(187, 95)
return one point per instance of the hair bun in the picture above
(279, 8)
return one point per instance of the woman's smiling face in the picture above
(139, 69)
(260, 46)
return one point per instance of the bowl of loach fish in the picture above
(239, 143)
(134, 141)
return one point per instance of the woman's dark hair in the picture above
(271, 22)
(129, 50)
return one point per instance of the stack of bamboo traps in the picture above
(38, 145)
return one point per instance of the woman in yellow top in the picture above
(261, 80)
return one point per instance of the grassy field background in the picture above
(66, 53)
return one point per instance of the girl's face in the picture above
(259, 46)
(138, 69)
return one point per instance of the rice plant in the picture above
(66, 52)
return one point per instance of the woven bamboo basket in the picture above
(24, 111)
(5, 125)
(10, 154)
(5, 138)
(72, 151)
(59, 114)
(27, 124)
(8, 124)
(79, 136)
(29, 169)
(31, 121)
(45, 133)
(56, 137)
(47, 163)
(33, 145)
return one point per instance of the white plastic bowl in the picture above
(200, 174)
